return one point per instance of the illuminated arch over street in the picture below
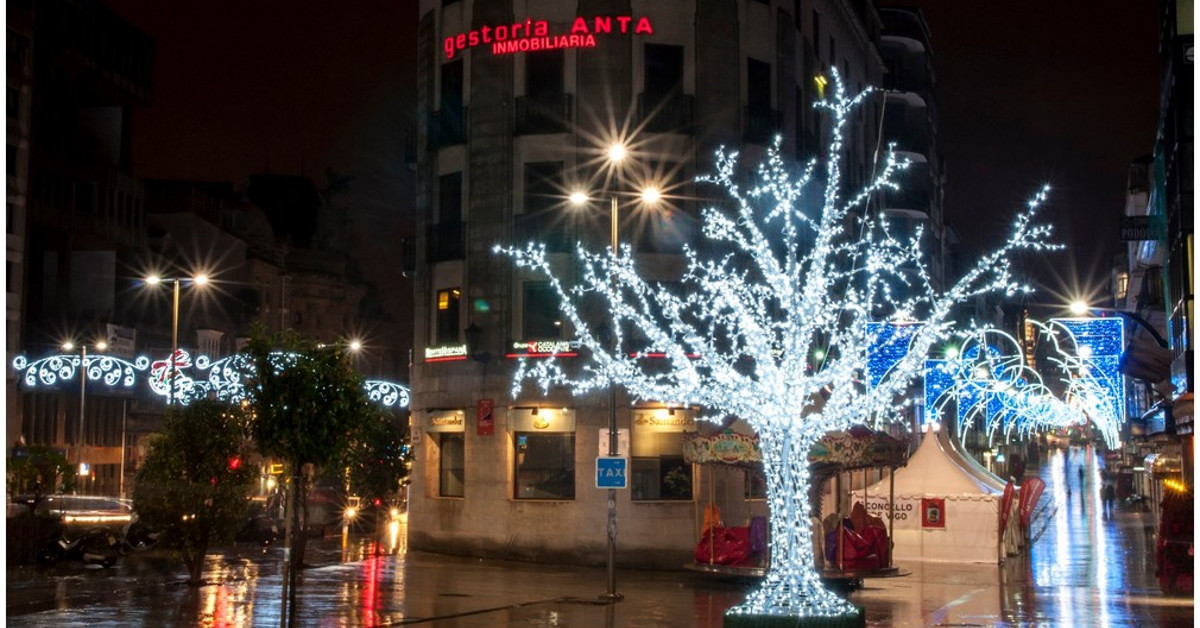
(197, 378)
(1077, 379)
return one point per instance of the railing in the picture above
(761, 125)
(669, 113)
(543, 114)
(447, 128)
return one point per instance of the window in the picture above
(18, 48)
(450, 198)
(447, 317)
(664, 71)
(544, 465)
(452, 88)
(544, 220)
(451, 467)
(540, 315)
(658, 470)
(758, 84)
(816, 37)
(11, 163)
(756, 484)
(13, 103)
(544, 76)
(9, 221)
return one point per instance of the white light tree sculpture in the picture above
(790, 283)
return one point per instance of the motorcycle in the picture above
(94, 547)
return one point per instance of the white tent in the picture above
(944, 510)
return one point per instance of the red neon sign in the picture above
(533, 34)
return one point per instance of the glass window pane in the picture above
(544, 465)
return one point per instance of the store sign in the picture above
(610, 472)
(545, 419)
(485, 417)
(544, 349)
(663, 420)
(448, 421)
(532, 35)
(1141, 228)
(446, 353)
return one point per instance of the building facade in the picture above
(520, 102)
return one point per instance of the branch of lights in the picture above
(740, 338)
(220, 379)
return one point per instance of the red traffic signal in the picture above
(235, 463)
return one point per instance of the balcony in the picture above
(666, 113)
(537, 115)
(912, 203)
(761, 125)
(444, 241)
(447, 127)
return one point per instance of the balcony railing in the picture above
(444, 241)
(761, 125)
(543, 114)
(670, 113)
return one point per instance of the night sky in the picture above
(1030, 93)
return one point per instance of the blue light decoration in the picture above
(785, 275)
(201, 378)
(991, 381)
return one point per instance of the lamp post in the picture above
(154, 280)
(616, 154)
(70, 346)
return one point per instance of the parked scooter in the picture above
(94, 547)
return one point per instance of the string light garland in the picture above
(795, 278)
(201, 378)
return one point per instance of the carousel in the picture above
(851, 541)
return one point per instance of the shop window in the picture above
(544, 465)
(540, 316)
(447, 317)
(657, 468)
(451, 464)
(756, 484)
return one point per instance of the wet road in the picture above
(1087, 569)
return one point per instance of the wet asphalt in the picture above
(1088, 568)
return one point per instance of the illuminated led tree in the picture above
(794, 279)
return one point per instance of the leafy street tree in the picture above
(38, 472)
(778, 317)
(309, 405)
(193, 485)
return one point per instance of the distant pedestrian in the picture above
(1110, 497)
(1081, 474)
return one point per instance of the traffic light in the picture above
(235, 463)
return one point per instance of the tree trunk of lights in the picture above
(792, 586)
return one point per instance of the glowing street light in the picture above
(154, 280)
(70, 346)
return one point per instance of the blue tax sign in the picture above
(610, 472)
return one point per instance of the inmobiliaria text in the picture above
(535, 34)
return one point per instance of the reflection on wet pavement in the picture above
(1086, 569)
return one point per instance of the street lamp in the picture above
(154, 280)
(650, 195)
(70, 346)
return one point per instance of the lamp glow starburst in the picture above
(798, 273)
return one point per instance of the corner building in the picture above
(519, 102)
